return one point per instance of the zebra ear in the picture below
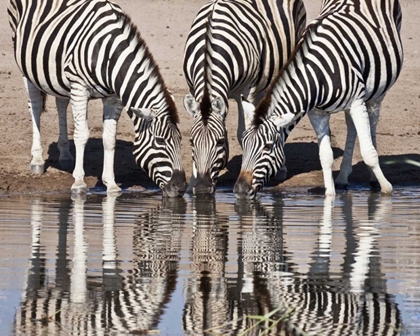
(248, 109)
(143, 113)
(190, 105)
(282, 120)
(218, 106)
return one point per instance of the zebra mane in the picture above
(134, 34)
(261, 111)
(205, 104)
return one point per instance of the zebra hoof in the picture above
(79, 188)
(66, 165)
(113, 190)
(37, 169)
(341, 186)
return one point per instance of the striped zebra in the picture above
(234, 49)
(80, 50)
(347, 59)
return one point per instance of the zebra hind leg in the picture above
(36, 106)
(320, 122)
(361, 118)
(65, 160)
(341, 182)
(373, 108)
(112, 113)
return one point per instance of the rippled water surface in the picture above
(140, 265)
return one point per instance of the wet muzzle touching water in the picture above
(243, 186)
(177, 186)
(204, 185)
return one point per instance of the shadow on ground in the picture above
(127, 173)
(302, 158)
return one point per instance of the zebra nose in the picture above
(177, 186)
(203, 185)
(243, 185)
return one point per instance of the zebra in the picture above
(347, 59)
(233, 50)
(81, 50)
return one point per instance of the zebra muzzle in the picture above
(204, 185)
(177, 186)
(243, 186)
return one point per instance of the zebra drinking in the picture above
(80, 50)
(347, 59)
(234, 48)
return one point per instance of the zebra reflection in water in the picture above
(218, 295)
(206, 291)
(272, 260)
(78, 303)
(321, 299)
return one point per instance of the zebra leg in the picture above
(65, 160)
(193, 180)
(112, 112)
(373, 108)
(341, 182)
(36, 106)
(360, 118)
(79, 101)
(320, 122)
(241, 120)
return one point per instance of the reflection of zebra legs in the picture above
(111, 278)
(350, 302)
(78, 285)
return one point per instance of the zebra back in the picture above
(242, 44)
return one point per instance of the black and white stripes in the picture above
(78, 50)
(347, 60)
(234, 49)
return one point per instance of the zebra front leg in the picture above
(193, 180)
(360, 118)
(79, 101)
(65, 160)
(320, 122)
(341, 182)
(245, 109)
(112, 112)
(36, 106)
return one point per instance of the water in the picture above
(140, 265)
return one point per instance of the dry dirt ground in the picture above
(164, 24)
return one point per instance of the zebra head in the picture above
(263, 152)
(209, 141)
(157, 149)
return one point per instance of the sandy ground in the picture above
(164, 24)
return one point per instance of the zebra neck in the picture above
(130, 70)
(298, 86)
(137, 82)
